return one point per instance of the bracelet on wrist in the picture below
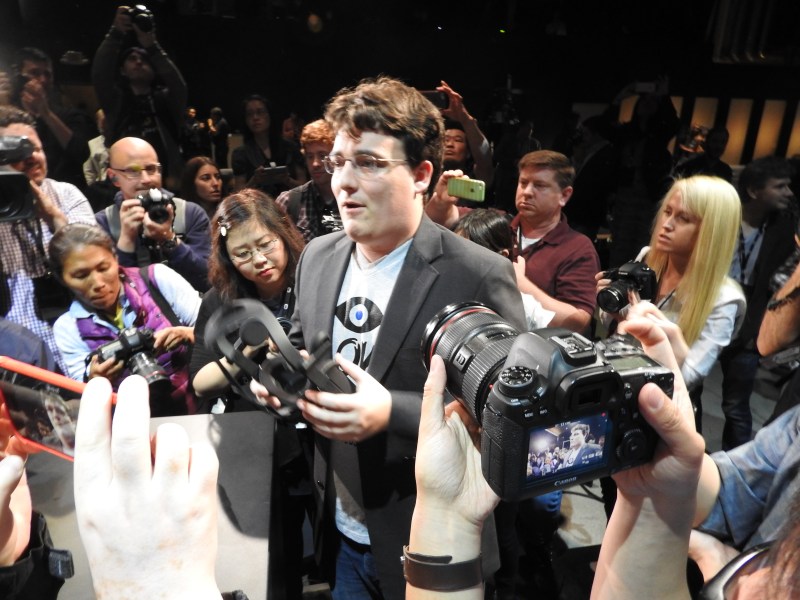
(439, 573)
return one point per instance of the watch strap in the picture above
(439, 573)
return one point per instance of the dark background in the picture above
(228, 48)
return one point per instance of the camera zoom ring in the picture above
(458, 330)
(485, 364)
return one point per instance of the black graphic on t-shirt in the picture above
(359, 315)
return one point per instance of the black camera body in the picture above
(16, 195)
(632, 276)
(155, 202)
(134, 346)
(532, 391)
(141, 16)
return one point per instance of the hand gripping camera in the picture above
(555, 409)
(134, 346)
(286, 374)
(156, 203)
(632, 276)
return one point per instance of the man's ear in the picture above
(422, 176)
(566, 194)
(112, 178)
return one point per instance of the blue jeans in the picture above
(739, 367)
(356, 575)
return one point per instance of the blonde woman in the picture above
(691, 247)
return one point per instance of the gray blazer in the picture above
(440, 268)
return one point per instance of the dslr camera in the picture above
(134, 346)
(555, 408)
(155, 202)
(632, 276)
(16, 195)
(141, 16)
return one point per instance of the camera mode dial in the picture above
(633, 446)
(516, 382)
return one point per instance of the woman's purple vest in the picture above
(148, 314)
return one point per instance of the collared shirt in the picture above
(22, 258)
(759, 481)
(563, 264)
(308, 210)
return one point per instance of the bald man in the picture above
(181, 242)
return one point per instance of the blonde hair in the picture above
(716, 204)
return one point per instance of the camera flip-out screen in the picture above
(563, 450)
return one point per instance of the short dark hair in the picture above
(583, 427)
(11, 115)
(487, 228)
(548, 159)
(755, 174)
(388, 106)
(248, 206)
(69, 237)
(31, 54)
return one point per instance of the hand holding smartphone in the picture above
(468, 189)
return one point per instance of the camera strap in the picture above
(158, 298)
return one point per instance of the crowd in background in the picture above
(144, 220)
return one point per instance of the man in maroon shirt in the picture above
(556, 264)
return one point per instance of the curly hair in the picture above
(248, 207)
(388, 106)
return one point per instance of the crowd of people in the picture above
(347, 226)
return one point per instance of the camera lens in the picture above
(614, 298)
(145, 365)
(158, 213)
(473, 341)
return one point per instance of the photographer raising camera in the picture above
(695, 302)
(124, 320)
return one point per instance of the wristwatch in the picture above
(171, 243)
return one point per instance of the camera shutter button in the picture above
(633, 446)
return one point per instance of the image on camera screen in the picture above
(41, 412)
(569, 447)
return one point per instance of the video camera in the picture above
(285, 374)
(16, 195)
(530, 391)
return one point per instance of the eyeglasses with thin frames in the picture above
(135, 172)
(365, 165)
(245, 255)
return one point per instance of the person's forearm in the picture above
(441, 532)
(781, 325)
(210, 381)
(443, 213)
(566, 315)
(480, 149)
(644, 551)
(58, 128)
(707, 490)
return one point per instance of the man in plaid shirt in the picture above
(28, 296)
(312, 206)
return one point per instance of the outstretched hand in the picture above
(675, 468)
(148, 522)
(448, 469)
